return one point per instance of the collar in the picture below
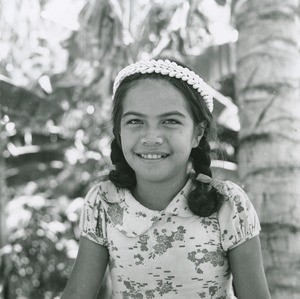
(132, 218)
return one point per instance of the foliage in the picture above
(42, 245)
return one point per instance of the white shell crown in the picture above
(167, 68)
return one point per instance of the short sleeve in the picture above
(92, 220)
(237, 218)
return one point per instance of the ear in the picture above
(199, 132)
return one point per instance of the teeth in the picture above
(152, 157)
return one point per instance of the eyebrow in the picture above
(171, 113)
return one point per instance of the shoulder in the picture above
(237, 217)
(232, 193)
(228, 187)
(106, 191)
(236, 201)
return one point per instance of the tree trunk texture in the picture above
(268, 91)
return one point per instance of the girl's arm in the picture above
(248, 272)
(88, 271)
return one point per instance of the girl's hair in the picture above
(203, 200)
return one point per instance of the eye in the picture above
(134, 122)
(172, 122)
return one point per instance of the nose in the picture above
(152, 138)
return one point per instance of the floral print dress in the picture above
(171, 253)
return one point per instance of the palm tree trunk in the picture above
(268, 90)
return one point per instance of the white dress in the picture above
(171, 253)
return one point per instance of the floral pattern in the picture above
(168, 254)
(143, 241)
(216, 258)
(116, 214)
(138, 291)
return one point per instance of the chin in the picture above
(155, 177)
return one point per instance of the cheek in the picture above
(127, 141)
(124, 142)
(186, 136)
(183, 141)
(126, 149)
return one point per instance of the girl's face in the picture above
(157, 131)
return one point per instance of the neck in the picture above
(156, 196)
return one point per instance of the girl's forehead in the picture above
(151, 95)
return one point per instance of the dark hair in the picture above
(203, 200)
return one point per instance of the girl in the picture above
(166, 229)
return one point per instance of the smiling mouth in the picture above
(152, 156)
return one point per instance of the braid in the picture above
(203, 200)
(123, 176)
(201, 158)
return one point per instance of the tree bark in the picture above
(268, 91)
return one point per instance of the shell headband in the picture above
(167, 68)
